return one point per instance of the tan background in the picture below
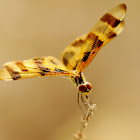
(46, 108)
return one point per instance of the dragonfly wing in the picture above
(80, 53)
(42, 66)
(116, 32)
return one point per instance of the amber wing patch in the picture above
(36, 67)
(80, 53)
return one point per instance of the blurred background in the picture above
(46, 108)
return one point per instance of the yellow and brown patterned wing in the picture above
(80, 53)
(43, 66)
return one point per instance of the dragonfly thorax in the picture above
(83, 86)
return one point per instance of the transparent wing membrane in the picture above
(36, 67)
(80, 53)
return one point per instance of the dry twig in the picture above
(79, 135)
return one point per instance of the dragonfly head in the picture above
(85, 88)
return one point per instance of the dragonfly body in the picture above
(83, 86)
(75, 58)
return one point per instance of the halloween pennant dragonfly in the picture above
(75, 58)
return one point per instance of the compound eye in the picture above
(89, 86)
(82, 88)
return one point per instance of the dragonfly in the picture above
(75, 58)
